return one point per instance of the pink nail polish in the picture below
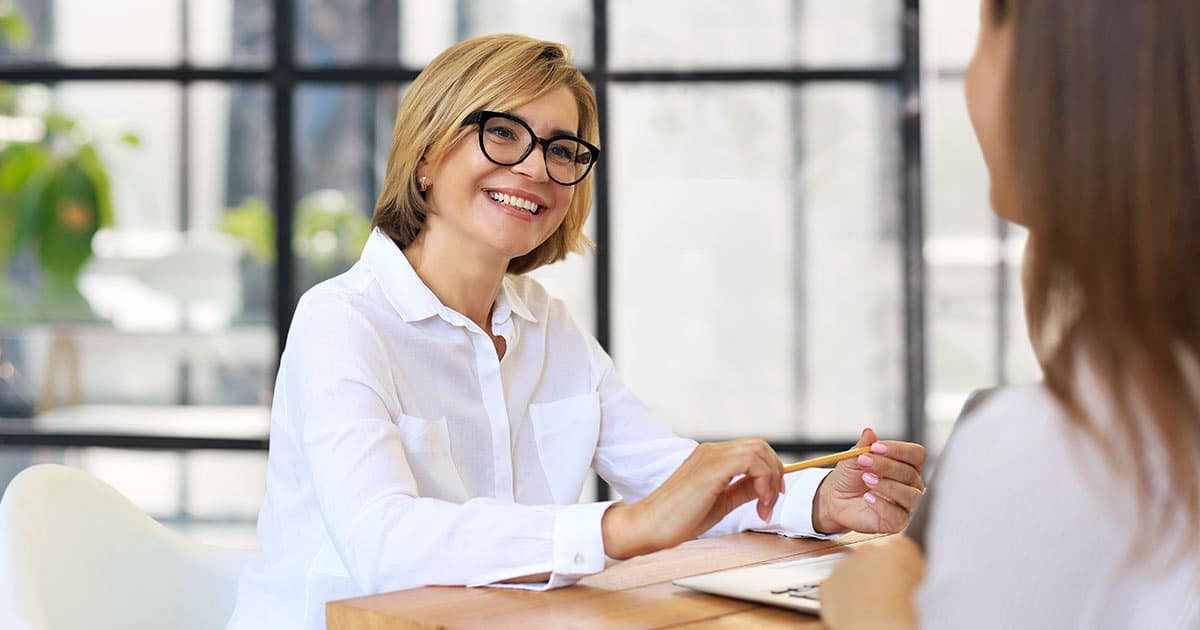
(870, 498)
(870, 479)
(879, 447)
(863, 460)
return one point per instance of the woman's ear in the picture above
(422, 168)
(422, 176)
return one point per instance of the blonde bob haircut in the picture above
(493, 72)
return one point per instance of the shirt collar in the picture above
(400, 282)
(409, 295)
(510, 301)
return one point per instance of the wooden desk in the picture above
(634, 594)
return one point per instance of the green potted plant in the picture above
(54, 196)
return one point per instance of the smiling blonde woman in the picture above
(436, 413)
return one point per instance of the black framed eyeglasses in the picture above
(507, 140)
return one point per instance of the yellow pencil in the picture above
(828, 459)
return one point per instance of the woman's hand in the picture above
(873, 493)
(698, 495)
(873, 586)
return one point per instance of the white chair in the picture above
(75, 553)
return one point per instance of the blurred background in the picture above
(794, 234)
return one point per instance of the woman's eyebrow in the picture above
(553, 132)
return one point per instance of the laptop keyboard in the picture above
(802, 591)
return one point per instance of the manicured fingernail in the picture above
(879, 447)
(863, 460)
(864, 432)
(870, 498)
(870, 479)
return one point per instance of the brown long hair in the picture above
(498, 72)
(1106, 124)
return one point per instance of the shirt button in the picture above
(578, 558)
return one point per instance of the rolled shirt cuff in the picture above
(578, 547)
(793, 515)
(579, 540)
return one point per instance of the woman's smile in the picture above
(517, 203)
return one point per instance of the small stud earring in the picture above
(423, 184)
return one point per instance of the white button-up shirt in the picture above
(405, 453)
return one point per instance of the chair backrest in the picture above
(75, 553)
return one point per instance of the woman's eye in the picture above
(501, 133)
(562, 154)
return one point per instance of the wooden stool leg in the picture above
(62, 362)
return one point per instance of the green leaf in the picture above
(8, 99)
(253, 224)
(89, 160)
(131, 139)
(18, 162)
(14, 30)
(69, 221)
(29, 198)
(58, 124)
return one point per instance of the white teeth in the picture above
(514, 201)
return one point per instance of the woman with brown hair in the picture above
(1074, 503)
(436, 413)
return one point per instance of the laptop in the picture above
(796, 584)
(793, 584)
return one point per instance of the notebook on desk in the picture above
(796, 584)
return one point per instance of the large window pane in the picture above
(412, 32)
(231, 185)
(342, 137)
(950, 28)
(962, 328)
(145, 175)
(956, 178)
(756, 279)
(86, 33)
(231, 156)
(230, 32)
(139, 32)
(574, 282)
(753, 34)
(428, 28)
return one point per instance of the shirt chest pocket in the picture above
(566, 432)
(427, 448)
